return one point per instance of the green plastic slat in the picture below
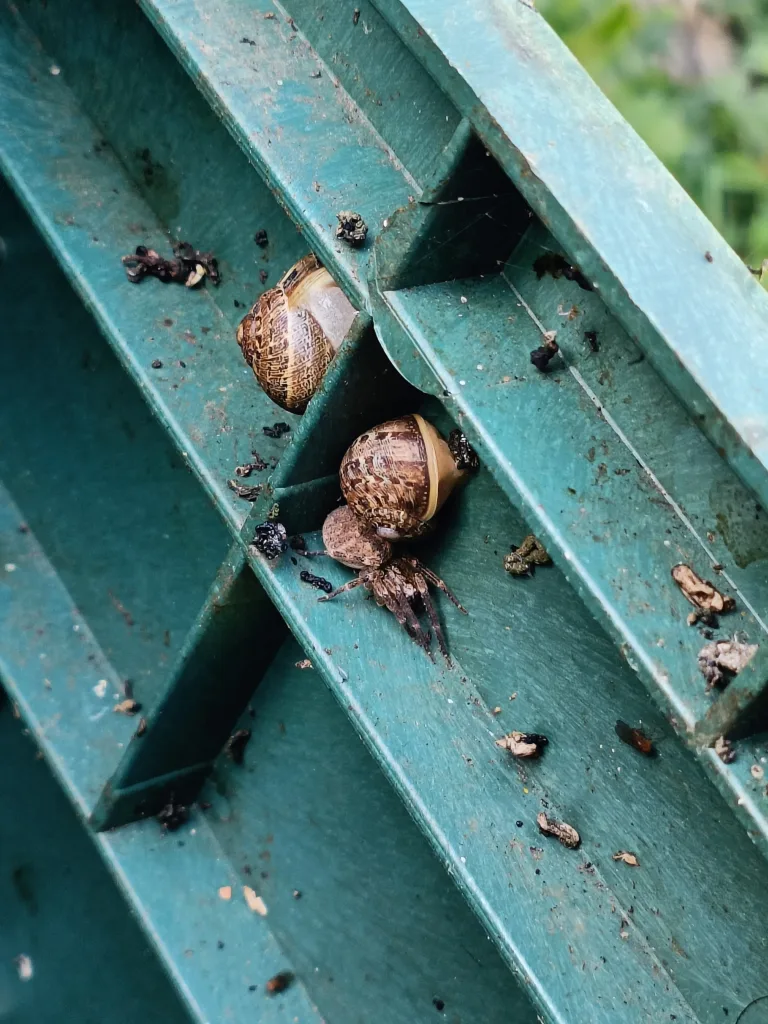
(53, 668)
(374, 906)
(218, 668)
(442, 759)
(266, 96)
(213, 949)
(53, 886)
(432, 730)
(577, 448)
(91, 215)
(619, 214)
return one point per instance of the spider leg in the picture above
(420, 581)
(356, 582)
(437, 582)
(401, 608)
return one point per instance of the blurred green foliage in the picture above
(709, 127)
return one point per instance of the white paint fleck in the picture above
(55, 69)
(462, 382)
(756, 771)
(463, 860)
(100, 689)
(480, 366)
(24, 966)
(10, 567)
(464, 299)
(279, 81)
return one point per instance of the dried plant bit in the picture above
(173, 815)
(261, 239)
(279, 983)
(274, 513)
(556, 265)
(352, 228)
(462, 451)
(560, 830)
(541, 357)
(142, 727)
(701, 593)
(196, 276)
(627, 858)
(194, 259)
(277, 430)
(757, 772)
(304, 663)
(524, 558)
(635, 738)
(316, 581)
(236, 744)
(522, 744)
(724, 750)
(270, 539)
(721, 660)
(127, 707)
(189, 266)
(258, 463)
(243, 491)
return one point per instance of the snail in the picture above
(292, 333)
(396, 476)
(399, 584)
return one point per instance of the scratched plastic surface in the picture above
(215, 121)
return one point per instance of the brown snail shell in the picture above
(292, 333)
(347, 539)
(396, 476)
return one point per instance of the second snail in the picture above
(293, 331)
(395, 478)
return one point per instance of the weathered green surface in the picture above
(90, 961)
(604, 462)
(611, 204)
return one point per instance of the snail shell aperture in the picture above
(396, 476)
(347, 539)
(292, 333)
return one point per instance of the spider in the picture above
(402, 586)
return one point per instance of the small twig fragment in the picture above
(244, 491)
(627, 858)
(560, 830)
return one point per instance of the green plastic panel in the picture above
(126, 566)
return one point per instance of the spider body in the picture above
(402, 586)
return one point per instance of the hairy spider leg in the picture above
(437, 582)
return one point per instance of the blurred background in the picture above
(691, 76)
